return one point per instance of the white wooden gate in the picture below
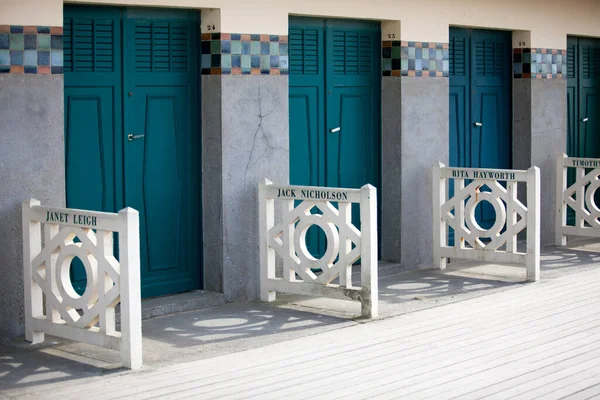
(579, 197)
(499, 242)
(52, 305)
(345, 243)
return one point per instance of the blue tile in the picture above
(445, 65)
(425, 45)
(236, 60)
(4, 41)
(432, 54)
(274, 38)
(439, 65)
(30, 58)
(283, 62)
(418, 64)
(226, 70)
(386, 64)
(30, 42)
(246, 48)
(255, 38)
(4, 69)
(283, 49)
(411, 64)
(445, 54)
(439, 46)
(411, 52)
(57, 70)
(43, 58)
(446, 74)
(236, 36)
(16, 29)
(432, 74)
(16, 57)
(246, 71)
(411, 44)
(255, 61)
(43, 29)
(30, 69)
(386, 52)
(274, 61)
(226, 46)
(56, 42)
(404, 52)
(205, 63)
(418, 73)
(57, 58)
(264, 48)
(418, 54)
(4, 57)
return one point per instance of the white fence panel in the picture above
(287, 239)
(499, 242)
(52, 306)
(579, 197)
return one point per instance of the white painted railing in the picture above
(512, 217)
(287, 240)
(51, 304)
(580, 197)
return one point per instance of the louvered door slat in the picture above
(161, 47)
(88, 45)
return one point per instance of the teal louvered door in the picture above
(335, 111)
(583, 64)
(583, 107)
(161, 155)
(131, 132)
(480, 109)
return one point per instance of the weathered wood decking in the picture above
(537, 341)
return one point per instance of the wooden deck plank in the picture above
(536, 340)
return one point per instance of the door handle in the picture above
(585, 119)
(478, 124)
(132, 137)
(334, 130)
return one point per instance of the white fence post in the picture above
(88, 317)
(533, 224)
(266, 215)
(131, 296)
(346, 244)
(32, 244)
(368, 261)
(439, 225)
(561, 206)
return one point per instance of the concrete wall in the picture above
(425, 141)
(548, 138)
(391, 154)
(31, 165)
(252, 143)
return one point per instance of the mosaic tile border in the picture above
(31, 49)
(419, 59)
(530, 63)
(244, 54)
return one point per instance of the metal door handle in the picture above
(478, 124)
(131, 137)
(585, 119)
(334, 130)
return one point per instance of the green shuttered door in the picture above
(334, 83)
(134, 72)
(480, 111)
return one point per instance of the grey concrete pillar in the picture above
(31, 165)
(424, 141)
(540, 133)
(251, 143)
(391, 155)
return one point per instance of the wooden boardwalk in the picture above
(537, 341)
